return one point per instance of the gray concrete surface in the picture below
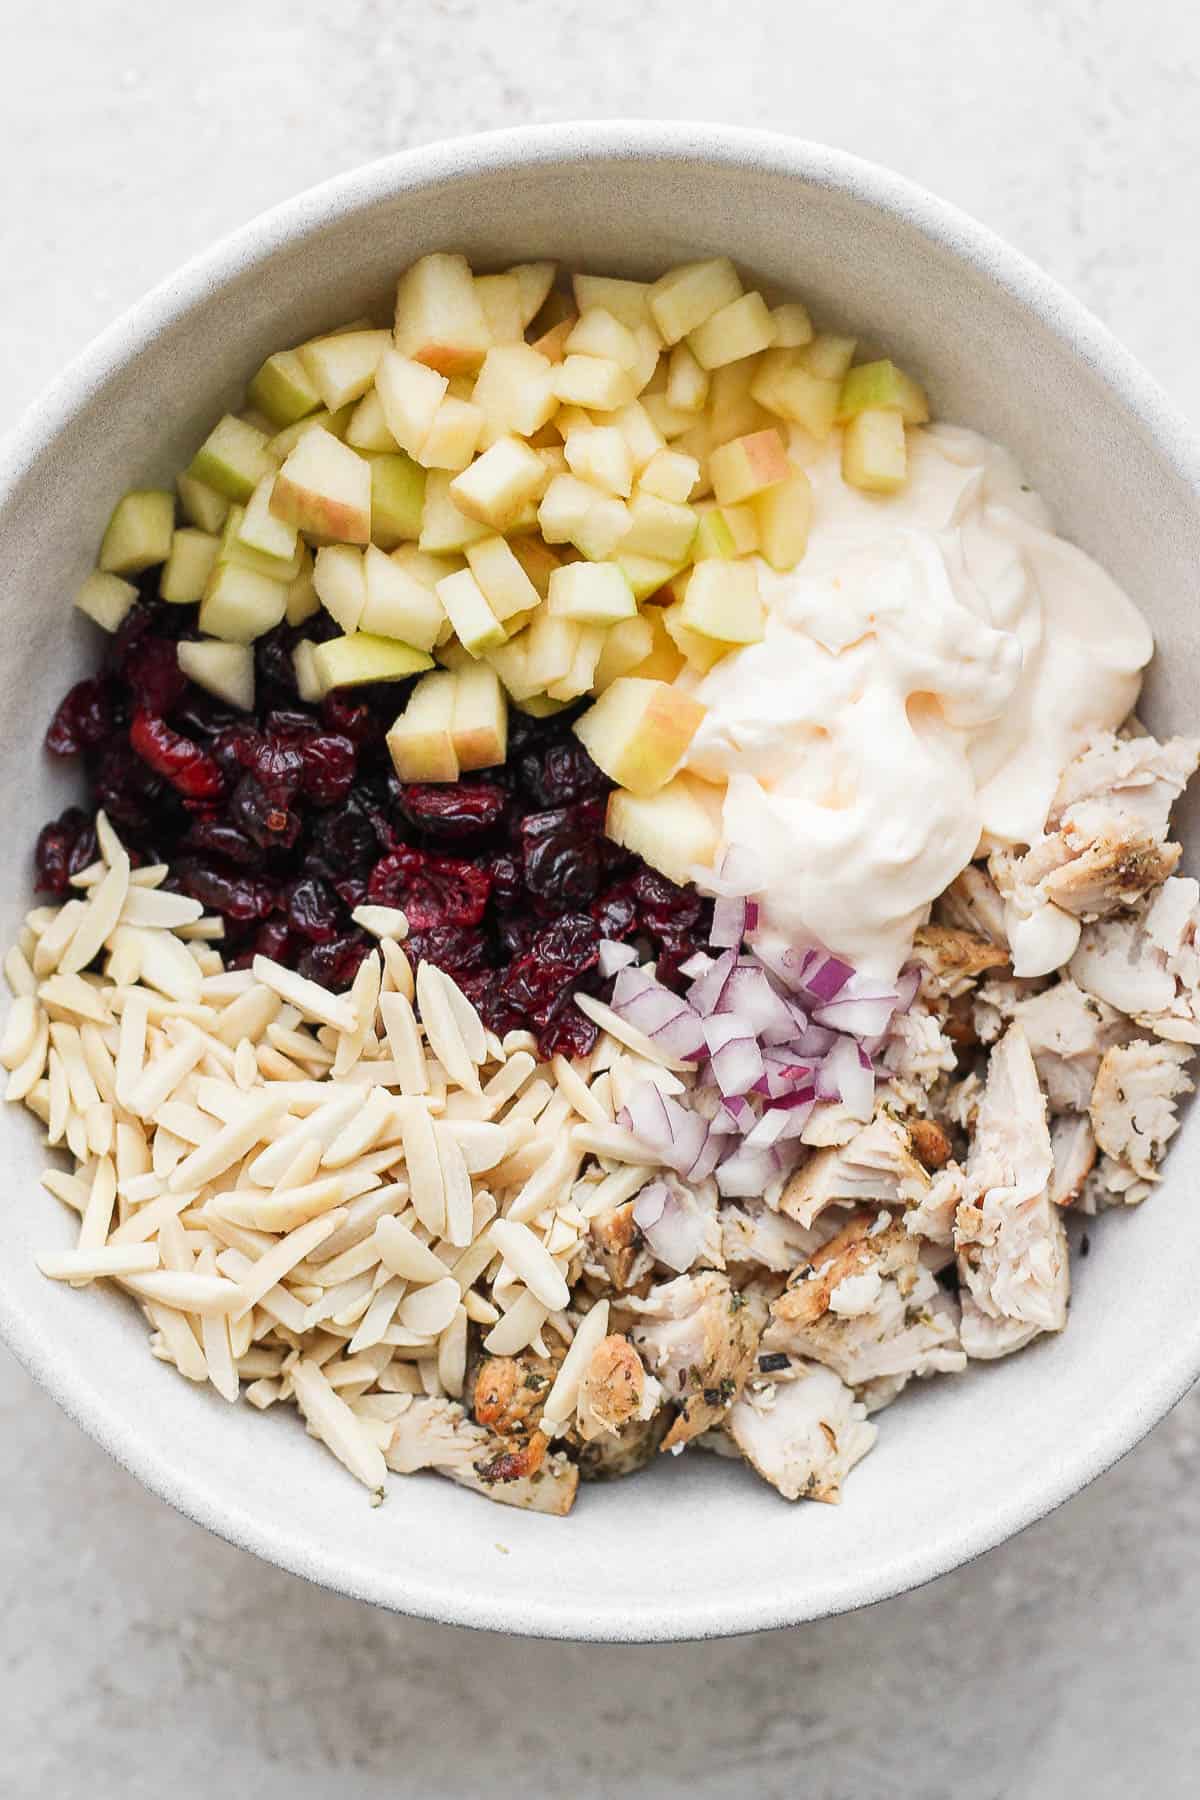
(141, 1658)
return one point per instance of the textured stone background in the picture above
(140, 1655)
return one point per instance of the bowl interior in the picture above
(696, 1545)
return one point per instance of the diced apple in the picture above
(479, 722)
(597, 333)
(420, 741)
(139, 532)
(233, 458)
(660, 528)
(500, 483)
(733, 410)
(511, 663)
(676, 830)
(453, 655)
(746, 465)
(829, 356)
(699, 653)
(573, 512)
(439, 320)
(599, 454)
(339, 577)
(423, 567)
(552, 342)
(882, 386)
(683, 299)
(640, 433)
(502, 580)
(325, 489)
(723, 602)
(651, 365)
(670, 476)
(785, 387)
(354, 660)
(793, 326)
(515, 392)
(534, 280)
(537, 559)
(874, 452)
(342, 367)
(240, 605)
(638, 732)
(541, 706)
(335, 423)
(226, 670)
(444, 527)
(713, 535)
(665, 659)
(368, 428)
(201, 506)
(477, 626)
(259, 529)
(232, 549)
(646, 575)
(550, 646)
(283, 389)
(453, 437)
(410, 394)
(501, 300)
(581, 675)
(308, 682)
(593, 593)
(397, 499)
(783, 514)
(741, 329)
(596, 382)
(302, 601)
(186, 571)
(627, 301)
(687, 382)
(627, 644)
(395, 603)
(666, 419)
(105, 599)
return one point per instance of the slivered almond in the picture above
(430, 1309)
(369, 1124)
(382, 921)
(309, 999)
(426, 1186)
(405, 1255)
(281, 1211)
(404, 1042)
(211, 1159)
(271, 1268)
(456, 1183)
(186, 1292)
(529, 1259)
(442, 1028)
(158, 909)
(104, 1260)
(561, 1400)
(517, 1327)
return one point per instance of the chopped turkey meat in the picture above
(617, 1248)
(752, 1232)
(1012, 1249)
(866, 1306)
(803, 1436)
(1073, 1144)
(877, 1164)
(974, 903)
(698, 1335)
(1147, 962)
(1133, 1110)
(917, 1056)
(609, 1456)
(1067, 1030)
(613, 1390)
(437, 1434)
(951, 959)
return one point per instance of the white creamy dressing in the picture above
(928, 670)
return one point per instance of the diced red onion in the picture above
(704, 995)
(826, 977)
(650, 1203)
(772, 1125)
(745, 1174)
(729, 923)
(752, 912)
(844, 1069)
(862, 1016)
(659, 1013)
(737, 1060)
(749, 995)
(613, 956)
(695, 966)
(908, 986)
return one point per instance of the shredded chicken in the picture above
(752, 1232)
(613, 1390)
(1133, 1111)
(1012, 1249)
(698, 1335)
(611, 1455)
(1147, 962)
(918, 1056)
(618, 1249)
(1105, 844)
(437, 1434)
(867, 1307)
(877, 1164)
(952, 959)
(1067, 1030)
(803, 1436)
(974, 903)
(1073, 1144)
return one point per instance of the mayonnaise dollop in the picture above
(927, 672)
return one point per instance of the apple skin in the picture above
(748, 464)
(420, 741)
(360, 657)
(882, 385)
(439, 319)
(325, 489)
(639, 731)
(479, 722)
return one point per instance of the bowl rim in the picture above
(1177, 1364)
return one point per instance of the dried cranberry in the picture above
(351, 718)
(63, 848)
(274, 669)
(289, 721)
(560, 773)
(84, 719)
(237, 896)
(561, 857)
(203, 715)
(127, 788)
(154, 676)
(329, 761)
(574, 939)
(458, 951)
(209, 832)
(190, 770)
(568, 1032)
(432, 890)
(661, 905)
(347, 842)
(507, 881)
(312, 909)
(273, 939)
(451, 810)
(261, 816)
(615, 912)
(335, 964)
(276, 764)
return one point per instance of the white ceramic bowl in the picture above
(697, 1546)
